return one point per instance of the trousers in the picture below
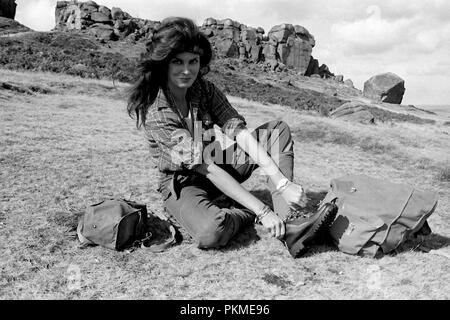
(212, 226)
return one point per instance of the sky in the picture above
(355, 38)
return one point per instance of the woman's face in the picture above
(183, 70)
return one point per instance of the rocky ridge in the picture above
(286, 46)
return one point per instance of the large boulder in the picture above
(270, 52)
(210, 22)
(228, 48)
(100, 17)
(227, 39)
(354, 112)
(295, 53)
(87, 5)
(250, 42)
(229, 29)
(303, 33)
(325, 72)
(349, 83)
(87, 8)
(106, 11)
(313, 67)
(118, 14)
(293, 46)
(281, 32)
(8, 9)
(102, 32)
(386, 87)
(68, 16)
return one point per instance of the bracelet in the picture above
(282, 185)
(262, 213)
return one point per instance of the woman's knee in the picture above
(278, 127)
(214, 233)
(282, 131)
(283, 127)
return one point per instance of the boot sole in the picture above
(324, 220)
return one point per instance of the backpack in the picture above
(376, 216)
(119, 224)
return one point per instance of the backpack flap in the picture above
(417, 209)
(352, 232)
(127, 230)
(101, 223)
(357, 221)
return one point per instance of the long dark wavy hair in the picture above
(175, 35)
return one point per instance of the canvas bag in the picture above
(118, 224)
(376, 215)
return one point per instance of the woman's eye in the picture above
(195, 61)
(176, 62)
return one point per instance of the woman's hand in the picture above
(273, 223)
(294, 195)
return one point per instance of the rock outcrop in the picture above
(104, 23)
(313, 69)
(354, 111)
(386, 87)
(8, 9)
(291, 45)
(286, 46)
(234, 40)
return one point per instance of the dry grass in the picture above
(68, 148)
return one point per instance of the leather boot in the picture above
(300, 232)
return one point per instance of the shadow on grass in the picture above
(423, 244)
(66, 219)
(243, 239)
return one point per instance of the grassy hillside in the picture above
(81, 55)
(66, 142)
(68, 53)
(10, 26)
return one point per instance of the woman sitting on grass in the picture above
(203, 148)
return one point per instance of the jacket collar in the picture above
(165, 99)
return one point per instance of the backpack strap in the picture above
(160, 247)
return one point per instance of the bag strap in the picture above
(398, 216)
(159, 247)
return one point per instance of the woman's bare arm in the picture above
(293, 193)
(233, 189)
